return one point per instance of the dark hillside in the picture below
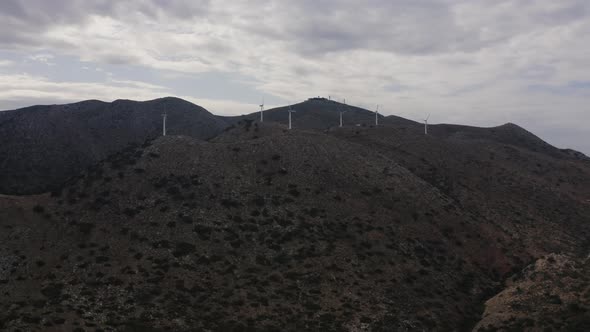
(528, 193)
(247, 129)
(323, 114)
(298, 231)
(44, 145)
(509, 134)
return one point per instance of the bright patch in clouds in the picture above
(478, 62)
(43, 58)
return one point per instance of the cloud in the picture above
(24, 90)
(44, 58)
(17, 88)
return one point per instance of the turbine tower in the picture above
(426, 125)
(164, 115)
(261, 110)
(377, 116)
(342, 112)
(290, 111)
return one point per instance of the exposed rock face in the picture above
(551, 294)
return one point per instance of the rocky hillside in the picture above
(42, 146)
(525, 190)
(360, 228)
(551, 294)
(297, 231)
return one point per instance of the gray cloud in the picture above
(39, 13)
(403, 27)
(314, 28)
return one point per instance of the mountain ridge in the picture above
(30, 127)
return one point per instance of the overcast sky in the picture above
(477, 62)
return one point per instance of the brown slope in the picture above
(297, 231)
(44, 145)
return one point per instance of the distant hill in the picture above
(320, 113)
(324, 114)
(508, 133)
(44, 145)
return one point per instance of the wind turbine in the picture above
(262, 110)
(164, 115)
(290, 111)
(426, 125)
(342, 112)
(377, 116)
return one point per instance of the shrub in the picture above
(85, 228)
(174, 191)
(38, 209)
(130, 212)
(183, 249)
(230, 203)
(52, 291)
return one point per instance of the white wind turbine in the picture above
(290, 111)
(426, 125)
(342, 112)
(261, 110)
(377, 116)
(164, 115)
